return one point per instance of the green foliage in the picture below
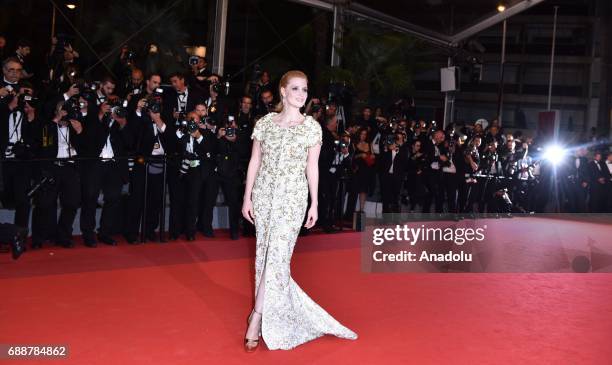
(378, 63)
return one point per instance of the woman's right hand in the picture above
(247, 210)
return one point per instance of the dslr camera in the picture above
(24, 98)
(339, 145)
(221, 87)
(73, 108)
(118, 107)
(153, 102)
(188, 126)
(87, 90)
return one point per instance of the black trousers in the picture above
(104, 176)
(576, 196)
(154, 200)
(598, 197)
(327, 187)
(16, 178)
(435, 192)
(185, 201)
(390, 187)
(67, 187)
(450, 182)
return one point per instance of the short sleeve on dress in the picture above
(316, 134)
(258, 129)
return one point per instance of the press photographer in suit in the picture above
(196, 147)
(18, 118)
(153, 141)
(107, 139)
(228, 175)
(181, 100)
(59, 138)
(393, 167)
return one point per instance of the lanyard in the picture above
(16, 125)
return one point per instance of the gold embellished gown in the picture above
(280, 197)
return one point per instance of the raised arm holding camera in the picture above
(108, 141)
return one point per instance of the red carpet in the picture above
(186, 303)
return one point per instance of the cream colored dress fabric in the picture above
(280, 198)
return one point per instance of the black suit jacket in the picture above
(328, 152)
(400, 163)
(27, 129)
(205, 151)
(96, 133)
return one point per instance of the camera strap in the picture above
(182, 101)
(17, 118)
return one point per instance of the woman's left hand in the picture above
(312, 217)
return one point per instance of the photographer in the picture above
(60, 138)
(437, 158)
(181, 100)
(260, 83)
(245, 118)
(12, 71)
(22, 54)
(134, 86)
(18, 118)
(60, 56)
(228, 177)
(327, 183)
(341, 173)
(152, 143)
(103, 95)
(215, 103)
(150, 97)
(196, 148)
(489, 184)
(417, 166)
(468, 184)
(392, 167)
(199, 73)
(107, 138)
(265, 103)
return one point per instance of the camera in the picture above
(72, 107)
(390, 139)
(188, 126)
(221, 87)
(19, 149)
(230, 132)
(340, 145)
(153, 102)
(193, 60)
(87, 90)
(26, 98)
(119, 107)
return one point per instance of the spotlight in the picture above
(71, 6)
(501, 7)
(554, 154)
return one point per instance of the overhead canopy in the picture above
(443, 22)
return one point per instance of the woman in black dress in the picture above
(363, 167)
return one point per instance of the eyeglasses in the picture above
(14, 69)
